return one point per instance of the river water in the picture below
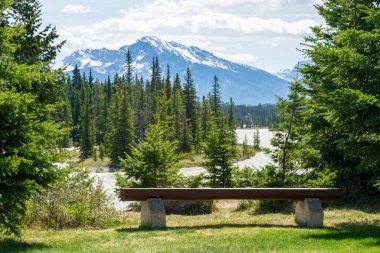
(256, 162)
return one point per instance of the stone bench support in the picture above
(309, 213)
(153, 213)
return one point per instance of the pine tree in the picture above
(154, 89)
(198, 130)
(140, 110)
(86, 125)
(190, 103)
(231, 116)
(246, 152)
(220, 154)
(256, 140)
(36, 43)
(341, 87)
(168, 84)
(220, 149)
(123, 132)
(90, 79)
(63, 114)
(178, 112)
(129, 75)
(232, 122)
(29, 90)
(287, 142)
(99, 113)
(215, 98)
(153, 162)
(206, 118)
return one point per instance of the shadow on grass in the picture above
(212, 226)
(366, 204)
(351, 231)
(14, 246)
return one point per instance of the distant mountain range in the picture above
(292, 74)
(245, 84)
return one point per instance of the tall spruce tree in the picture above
(343, 95)
(220, 147)
(220, 154)
(215, 98)
(90, 79)
(256, 139)
(129, 75)
(29, 88)
(140, 109)
(86, 125)
(178, 113)
(231, 119)
(123, 132)
(99, 113)
(190, 103)
(206, 117)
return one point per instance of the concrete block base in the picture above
(153, 214)
(309, 213)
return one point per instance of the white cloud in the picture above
(239, 58)
(75, 9)
(229, 28)
(186, 17)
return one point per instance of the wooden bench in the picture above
(309, 211)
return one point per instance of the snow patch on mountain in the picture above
(245, 84)
(292, 74)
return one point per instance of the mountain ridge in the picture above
(244, 83)
(294, 73)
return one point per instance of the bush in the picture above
(245, 177)
(273, 206)
(190, 207)
(200, 207)
(197, 181)
(270, 176)
(246, 205)
(73, 201)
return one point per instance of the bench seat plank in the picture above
(142, 194)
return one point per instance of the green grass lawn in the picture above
(225, 230)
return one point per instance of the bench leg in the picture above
(153, 213)
(309, 213)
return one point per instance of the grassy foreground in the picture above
(223, 231)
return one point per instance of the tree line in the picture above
(250, 116)
(114, 114)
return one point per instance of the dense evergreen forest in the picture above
(112, 115)
(115, 113)
(262, 115)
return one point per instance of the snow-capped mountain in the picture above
(245, 84)
(292, 74)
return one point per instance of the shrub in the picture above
(197, 181)
(192, 207)
(245, 205)
(75, 200)
(270, 176)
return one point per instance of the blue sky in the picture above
(260, 33)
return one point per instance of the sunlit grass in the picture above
(226, 230)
